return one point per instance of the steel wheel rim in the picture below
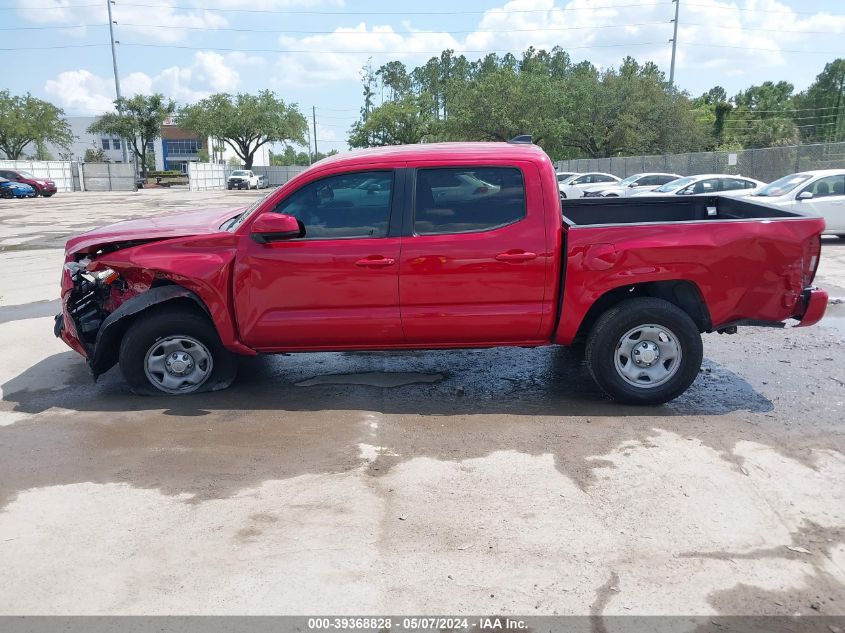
(178, 364)
(647, 356)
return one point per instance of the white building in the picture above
(84, 141)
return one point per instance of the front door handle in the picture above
(516, 256)
(375, 261)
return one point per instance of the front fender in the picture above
(107, 345)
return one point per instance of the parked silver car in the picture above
(629, 186)
(707, 184)
(573, 187)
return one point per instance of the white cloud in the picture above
(341, 54)
(82, 92)
(751, 36)
(163, 24)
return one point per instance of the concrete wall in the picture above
(208, 177)
(58, 171)
(108, 177)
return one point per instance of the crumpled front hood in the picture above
(156, 227)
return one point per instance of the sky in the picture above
(310, 52)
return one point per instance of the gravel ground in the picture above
(420, 482)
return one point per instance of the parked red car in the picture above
(43, 186)
(436, 246)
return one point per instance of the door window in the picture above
(343, 206)
(827, 186)
(467, 199)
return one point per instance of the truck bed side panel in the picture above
(744, 269)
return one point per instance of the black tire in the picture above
(37, 191)
(229, 187)
(7, 194)
(605, 338)
(158, 324)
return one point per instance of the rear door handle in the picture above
(375, 261)
(520, 256)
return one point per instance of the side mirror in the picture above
(274, 227)
(634, 184)
(805, 195)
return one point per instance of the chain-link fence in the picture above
(766, 164)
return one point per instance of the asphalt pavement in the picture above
(496, 481)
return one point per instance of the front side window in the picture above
(467, 199)
(828, 186)
(346, 205)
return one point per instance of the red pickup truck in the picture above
(436, 246)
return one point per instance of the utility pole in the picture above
(314, 123)
(674, 44)
(116, 77)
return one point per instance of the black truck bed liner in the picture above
(643, 210)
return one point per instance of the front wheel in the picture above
(173, 351)
(644, 351)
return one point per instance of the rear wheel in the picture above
(644, 351)
(6, 193)
(172, 351)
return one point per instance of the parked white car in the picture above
(820, 192)
(242, 179)
(573, 187)
(563, 175)
(629, 186)
(707, 184)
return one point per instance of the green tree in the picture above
(138, 120)
(25, 120)
(246, 122)
(95, 155)
(820, 109)
(392, 123)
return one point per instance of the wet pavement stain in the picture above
(373, 379)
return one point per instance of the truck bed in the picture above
(645, 210)
(743, 260)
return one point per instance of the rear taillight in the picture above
(479, 191)
(812, 254)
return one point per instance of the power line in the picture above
(371, 33)
(787, 11)
(50, 48)
(359, 52)
(766, 30)
(399, 13)
(50, 8)
(52, 28)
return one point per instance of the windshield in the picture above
(674, 185)
(239, 172)
(235, 222)
(782, 185)
(26, 174)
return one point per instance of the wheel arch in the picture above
(683, 293)
(110, 334)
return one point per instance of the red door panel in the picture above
(309, 294)
(336, 286)
(475, 287)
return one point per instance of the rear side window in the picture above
(347, 205)
(467, 199)
(603, 178)
(662, 180)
